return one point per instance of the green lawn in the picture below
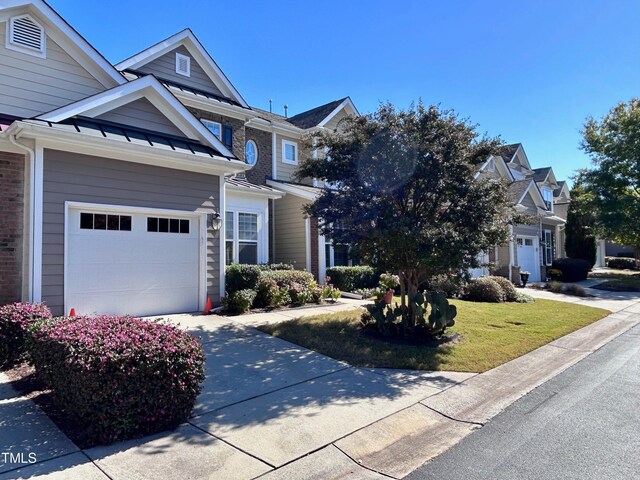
(621, 284)
(492, 334)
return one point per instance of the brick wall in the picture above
(264, 166)
(12, 207)
(238, 128)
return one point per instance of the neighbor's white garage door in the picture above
(528, 258)
(127, 262)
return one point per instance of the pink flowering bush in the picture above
(119, 376)
(15, 320)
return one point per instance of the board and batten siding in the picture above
(143, 114)
(164, 67)
(290, 231)
(30, 85)
(82, 178)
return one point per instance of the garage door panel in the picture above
(135, 272)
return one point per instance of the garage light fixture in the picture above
(214, 221)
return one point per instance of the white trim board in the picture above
(346, 104)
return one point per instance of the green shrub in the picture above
(276, 266)
(15, 320)
(575, 290)
(555, 274)
(622, 263)
(240, 301)
(241, 277)
(451, 285)
(555, 287)
(118, 377)
(509, 292)
(484, 289)
(524, 298)
(573, 269)
(286, 278)
(349, 279)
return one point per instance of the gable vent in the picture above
(183, 65)
(27, 35)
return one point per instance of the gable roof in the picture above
(499, 163)
(519, 189)
(509, 151)
(319, 116)
(69, 39)
(145, 87)
(541, 174)
(562, 185)
(187, 39)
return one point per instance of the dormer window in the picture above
(547, 196)
(27, 36)
(183, 65)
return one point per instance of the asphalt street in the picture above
(582, 424)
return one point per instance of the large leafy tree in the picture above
(580, 241)
(613, 184)
(405, 197)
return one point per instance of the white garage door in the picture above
(528, 257)
(128, 262)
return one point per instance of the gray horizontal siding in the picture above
(165, 67)
(142, 114)
(31, 85)
(83, 178)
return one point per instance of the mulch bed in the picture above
(24, 379)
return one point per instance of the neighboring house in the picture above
(111, 188)
(538, 195)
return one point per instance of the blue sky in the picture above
(529, 71)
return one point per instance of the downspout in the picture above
(14, 141)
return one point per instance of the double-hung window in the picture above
(213, 127)
(289, 152)
(241, 237)
(547, 195)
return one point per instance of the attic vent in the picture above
(183, 65)
(26, 35)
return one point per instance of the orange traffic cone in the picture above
(72, 313)
(208, 306)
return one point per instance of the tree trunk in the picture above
(412, 290)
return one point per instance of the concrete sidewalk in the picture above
(274, 410)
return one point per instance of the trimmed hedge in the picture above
(622, 263)
(118, 377)
(451, 285)
(509, 292)
(15, 320)
(240, 301)
(484, 289)
(244, 276)
(349, 279)
(573, 269)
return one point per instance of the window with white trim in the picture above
(241, 237)
(289, 152)
(213, 127)
(26, 35)
(183, 65)
(547, 196)
(548, 247)
(251, 152)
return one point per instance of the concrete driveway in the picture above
(275, 410)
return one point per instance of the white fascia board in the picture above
(347, 103)
(108, 148)
(297, 192)
(254, 192)
(150, 88)
(187, 39)
(64, 35)
(524, 155)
